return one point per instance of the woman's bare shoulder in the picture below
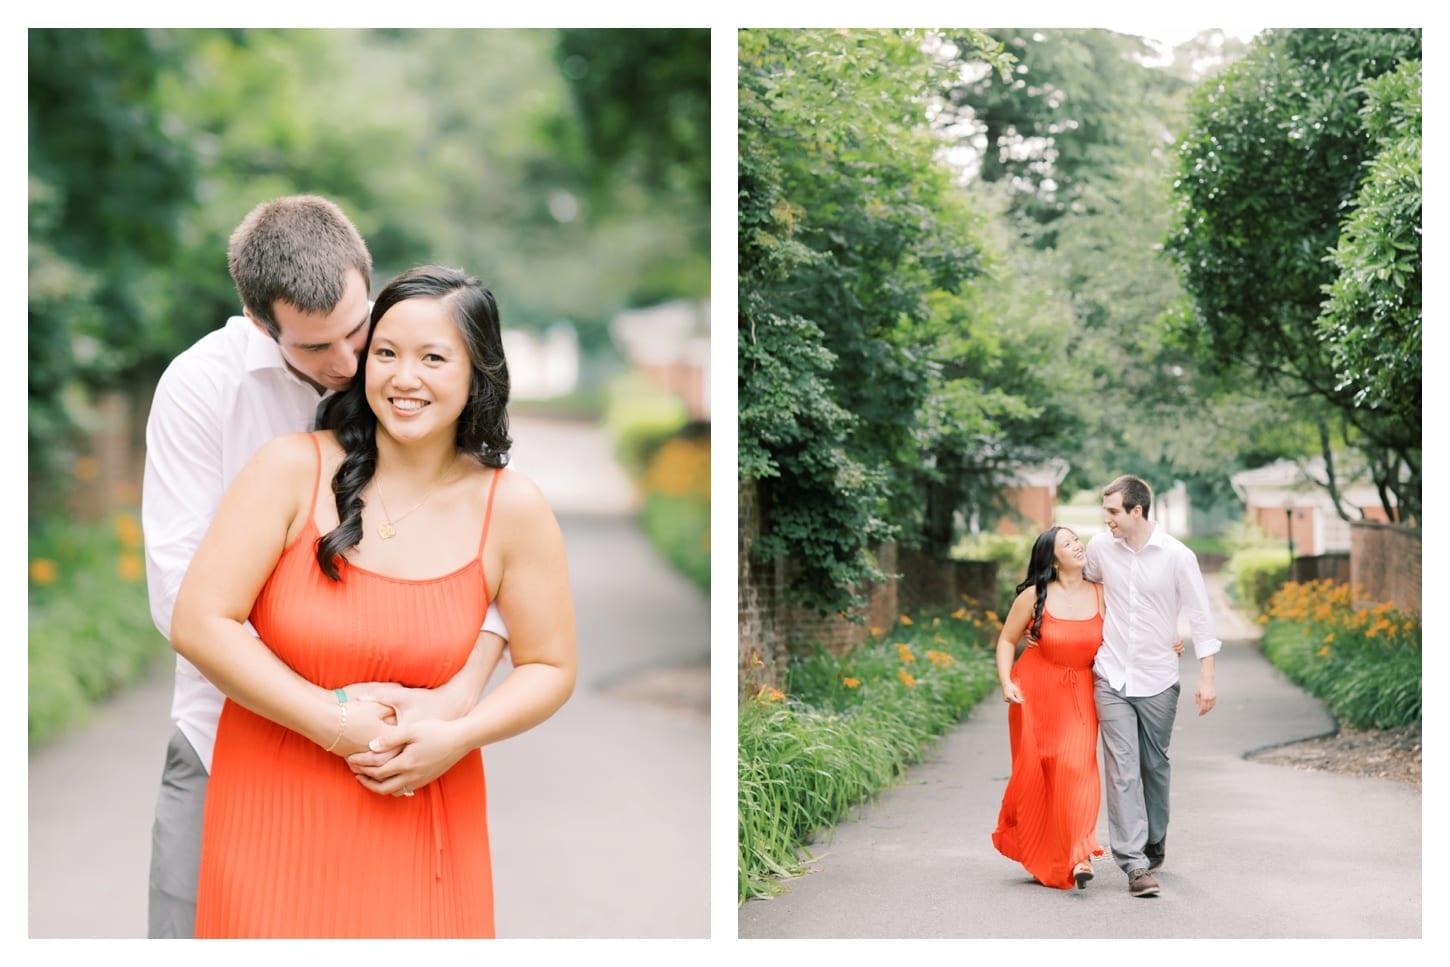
(287, 453)
(516, 492)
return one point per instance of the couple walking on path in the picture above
(1260, 851)
(1099, 625)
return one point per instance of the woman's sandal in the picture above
(1083, 872)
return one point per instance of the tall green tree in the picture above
(855, 249)
(1075, 140)
(1074, 101)
(1372, 320)
(107, 185)
(1273, 209)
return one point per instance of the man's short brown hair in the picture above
(1135, 491)
(296, 250)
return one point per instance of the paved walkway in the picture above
(1254, 851)
(599, 818)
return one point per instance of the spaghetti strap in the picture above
(488, 512)
(316, 480)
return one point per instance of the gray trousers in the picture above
(176, 843)
(1135, 733)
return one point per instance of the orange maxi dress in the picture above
(1049, 815)
(293, 845)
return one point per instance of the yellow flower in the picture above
(851, 682)
(127, 530)
(1263, 619)
(680, 468)
(939, 658)
(904, 652)
(774, 695)
(959, 613)
(43, 571)
(1329, 638)
(906, 621)
(875, 632)
(1323, 652)
(992, 617)
(755, 660)
(130, 566)
(906, 678)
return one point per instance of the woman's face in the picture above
(418, 371)
(1068, 552)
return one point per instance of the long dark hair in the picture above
(482, 431)
(1041, 571)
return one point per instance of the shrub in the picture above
(1255, 574)
(676, 509)
(1010, 551)
(640, 416)
(90, 623)
(1364, 663)
(843, 729)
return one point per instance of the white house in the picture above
(1285, 498)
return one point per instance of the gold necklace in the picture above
(386, 530)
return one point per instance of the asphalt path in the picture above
(598, 818)
(1254, 850)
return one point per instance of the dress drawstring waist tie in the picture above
(1069, 678)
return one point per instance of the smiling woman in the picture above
(314, 755)
(1049, 815)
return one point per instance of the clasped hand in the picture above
(412, 747)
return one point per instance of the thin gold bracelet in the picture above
(342, 720)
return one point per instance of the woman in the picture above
(386, 582)
(1049, 815)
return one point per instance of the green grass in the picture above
(91, 633)
(843, 730)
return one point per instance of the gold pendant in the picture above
(387, 531)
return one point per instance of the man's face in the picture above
(1120, 522)
(320, 347)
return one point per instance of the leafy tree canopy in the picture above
(1273, 210)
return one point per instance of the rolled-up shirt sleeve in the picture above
(1193, 597)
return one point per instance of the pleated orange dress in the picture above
(1049, 815)
(293, 845)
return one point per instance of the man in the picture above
(302, 272)
(1148, 577)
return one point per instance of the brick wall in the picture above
(770, 627)
(759, 591)
(1322, 567)
(1384, 563)
(930, 582)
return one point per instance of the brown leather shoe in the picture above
(1082, 873)
(1141, 884)
(1155, 853)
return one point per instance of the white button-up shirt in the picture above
(215, 405)
(1145, 591)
